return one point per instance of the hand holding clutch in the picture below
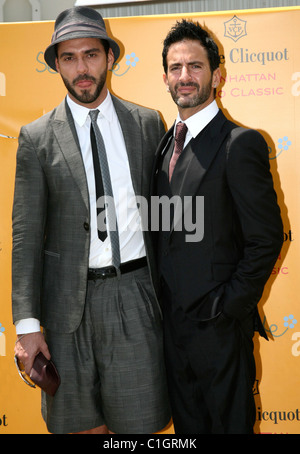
(43, 374)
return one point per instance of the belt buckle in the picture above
(109, 271)
(103, 274)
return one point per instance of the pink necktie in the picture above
(181, 130)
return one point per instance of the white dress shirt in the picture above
(128, 217)
(197, 122)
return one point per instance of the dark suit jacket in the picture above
(51, 236)
(227, 269)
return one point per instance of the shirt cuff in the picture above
(27, 325)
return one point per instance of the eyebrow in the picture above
(198, 62)
(88, 51)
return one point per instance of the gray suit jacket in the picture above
(51, 236)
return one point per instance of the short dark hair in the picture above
(188, 30)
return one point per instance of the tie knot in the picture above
(181, 130)
(94, 114)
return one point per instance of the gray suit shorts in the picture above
(112, 368)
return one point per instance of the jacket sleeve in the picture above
(28, 221)
(251, 186)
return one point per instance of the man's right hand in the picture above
(28, 347)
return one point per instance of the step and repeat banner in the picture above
(260, 89)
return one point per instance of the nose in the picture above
(82, 66)
(185, 74)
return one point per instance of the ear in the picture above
(110, 59)
(165, 79)
(216, 78)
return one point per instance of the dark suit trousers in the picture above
(211, 372)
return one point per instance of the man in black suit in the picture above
(212, 282)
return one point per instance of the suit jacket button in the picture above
(86, 226)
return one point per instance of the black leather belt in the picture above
(110, 271)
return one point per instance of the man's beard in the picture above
(86, 96)
(198, 99)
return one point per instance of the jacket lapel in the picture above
(130, 125)
(159, 155)
(65, 132)
(198, 156)
(164, 144)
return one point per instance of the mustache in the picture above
(83, 77)
(187, 84)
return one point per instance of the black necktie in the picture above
(107, 189)
(102, 233)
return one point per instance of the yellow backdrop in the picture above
(260, 89)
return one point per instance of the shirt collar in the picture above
(199, 120)
(80, 113)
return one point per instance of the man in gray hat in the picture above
(90, 285)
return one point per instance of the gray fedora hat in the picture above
(78, 22)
